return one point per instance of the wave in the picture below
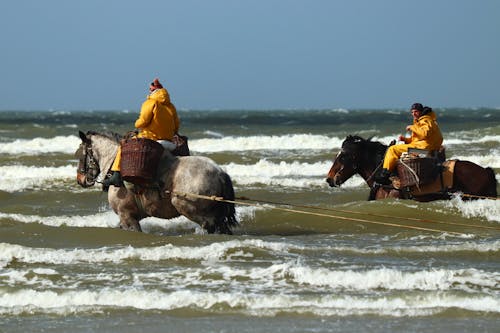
(214, 252)
(216, 142)
(39, 146)
(85, 301)
(294, 174)
(110, 220)
(14, 178)
(489, 209)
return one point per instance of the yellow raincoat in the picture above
(158, 120)
(425, 134)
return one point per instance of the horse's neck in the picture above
(105, 150)
(373, 163)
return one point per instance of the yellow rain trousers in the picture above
(425, 134)
(158, 120)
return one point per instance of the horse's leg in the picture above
(128, 222)
(378, 193)
(124, 205)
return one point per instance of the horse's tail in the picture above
(226, 217)
(493, 190)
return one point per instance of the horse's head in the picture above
(88, 167)
(347, 162)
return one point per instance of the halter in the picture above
(352, 158)
(88, 166)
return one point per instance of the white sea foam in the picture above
(263, 142)
(68, 302)
(101, 220)
(393, 279)
(210, 253)
(294, 174)
(15, 178)
(38, 146)
(110, 220)
(488, 209)
(216, 142)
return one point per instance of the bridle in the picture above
(347, 159)
(87, 165)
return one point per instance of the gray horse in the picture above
(187, 182)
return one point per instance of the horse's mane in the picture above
(110, 135)
(367, 145)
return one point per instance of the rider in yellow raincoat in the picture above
(158, 120)
(425, 134)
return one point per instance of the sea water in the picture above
(65, 265)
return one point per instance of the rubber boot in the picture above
(115, 180)
(383, 177)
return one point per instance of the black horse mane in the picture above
(370, 149)
(110, 135)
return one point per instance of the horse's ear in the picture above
(83, 137)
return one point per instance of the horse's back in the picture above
(471, 178)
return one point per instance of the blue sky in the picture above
(259, 54)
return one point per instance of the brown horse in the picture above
(364, 157)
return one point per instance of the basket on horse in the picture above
(140, 158)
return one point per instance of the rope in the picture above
(221, 199)
(479, 196)
(414, 174)
(373, 214)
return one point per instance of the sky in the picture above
(259, 54)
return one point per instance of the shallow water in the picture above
(64, 264)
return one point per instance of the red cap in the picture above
(156, 84)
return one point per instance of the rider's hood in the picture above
(431, 115)
(160, 95)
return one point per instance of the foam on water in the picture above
(110, 220)
(273, 142)
(212, 252)
(69, 302)
(294, 174)
(38, 146)
(216, 142)
(14, 178)
(488, 209)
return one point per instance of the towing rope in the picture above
(374, 214)
(257, 204)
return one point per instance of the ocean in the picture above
(66, 266)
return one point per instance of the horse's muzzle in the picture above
(83, 181)
(331, 182)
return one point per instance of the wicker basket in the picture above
(423, 171)
(140, 159)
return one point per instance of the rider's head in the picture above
(417, 110)
(155, 85)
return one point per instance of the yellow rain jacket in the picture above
(425, 134)
(158, 120)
